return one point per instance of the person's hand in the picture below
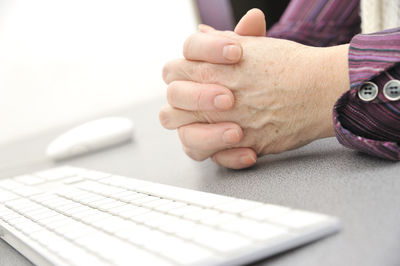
(252, 24)
(284, 94)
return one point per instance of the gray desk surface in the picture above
(364, 192)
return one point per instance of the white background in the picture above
(65, 61)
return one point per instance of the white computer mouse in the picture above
(91, 136)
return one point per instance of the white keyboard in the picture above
(73, 216)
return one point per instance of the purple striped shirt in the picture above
(370, 127)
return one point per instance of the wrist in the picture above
(330, 79)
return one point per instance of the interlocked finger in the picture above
(212, 48)
(200, 140)
(201, 72)
(236, 158)
(172, 118)
(193, 96)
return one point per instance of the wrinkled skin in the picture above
(283, 95)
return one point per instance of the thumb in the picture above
(252, 24)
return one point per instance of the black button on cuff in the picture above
(391, 90)
(368, 91)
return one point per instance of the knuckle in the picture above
(164, 118)
(187, 46)
(171, 92)
(189, 141)
(168, 70)
(178, 69)
(216, 158)
(199, 100)
(182, 136)
(201, 116)
(165, 73)
(229, 34)
(206, 72)
(268, 149)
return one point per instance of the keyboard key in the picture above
(169, 206)
(187, 253)
(176, 249)
(126, 254)
(71, 192)
(185, 210)
(180, 194)
(29, 180)
(160, 220)
(54, 221)
(44, 197)
(218, 219)
(157, 241)
(22, 204)
(125, 182)
(133, 211)
(201, 215)
(76, 255)
(130, 197)
(6, 196)
(112, 205)
(255, 230)
(68, 208)
(99, 243)
(136, 234)
(144, 200)
(237, 206)
(43, 215)
(26, 191)
(110, 224)
(98, 216)
(28, 227)
(99, 202)
(46, 238)
(220, 241)
(82, 212)
(265, 212)
(75, 231)
(73, 180)
(75, 210)
(155, 203)
(94, 175)
(189, 230)
(88, 198)
(9, 184)
(147, 217)
(180, 227)
(6, 213)
(58, 173)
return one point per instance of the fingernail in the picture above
(231, 136)
(232, 52)
(223, 102)
(247, 160)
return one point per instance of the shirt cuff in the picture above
(371, 126)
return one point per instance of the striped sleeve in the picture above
(318, 22)
(371, 127)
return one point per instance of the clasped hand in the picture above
(236, 97)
